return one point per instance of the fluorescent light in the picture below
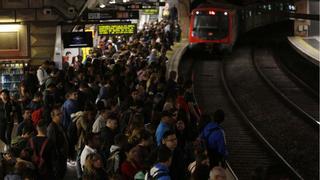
(10, 28)
(102, 5)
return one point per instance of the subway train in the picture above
(217, 25)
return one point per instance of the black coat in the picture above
(58, 137)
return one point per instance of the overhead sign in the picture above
(117, 29)
(113, 15)
(151, 11)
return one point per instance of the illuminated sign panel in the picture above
(151, 11)
(117, 29)
(113, 15)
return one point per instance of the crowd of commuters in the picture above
(113, 116)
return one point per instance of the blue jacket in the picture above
(213, 135)
(161, 129)
(69, 107)
(160, 172)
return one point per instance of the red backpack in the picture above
(37, 159)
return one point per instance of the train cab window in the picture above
(211, 25)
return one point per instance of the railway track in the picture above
(299, 98)
(284, 128)
(247, 152)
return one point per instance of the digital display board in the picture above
(113, 15)
(151, 11)
(77, 39)
(117, 29)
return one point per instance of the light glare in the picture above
(10, 28)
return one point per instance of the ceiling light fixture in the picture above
(102, 5)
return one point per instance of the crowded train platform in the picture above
(112, 115)
(159, 90)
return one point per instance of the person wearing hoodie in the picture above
(214, 138)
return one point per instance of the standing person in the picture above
(92, 145)
(178, 168)
(109, 132)
(57, 136)
(214, 137)
(43, 153)
(160, 170)
(189, 98)
(130, 166)
(27, 122)
(165, 125)
(7, 110)
(69, 107)
(42, 74)
(93, 168)
(100, 121)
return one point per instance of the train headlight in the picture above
(225, 13)
(212, 13)
(197, 12)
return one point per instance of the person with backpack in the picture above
(43, 153)
(57, 136)
(117, 155)
(130, 166)
(160, 171)
(108, 132)
(92, 145)
(214, 138)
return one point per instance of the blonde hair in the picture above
(88, 165)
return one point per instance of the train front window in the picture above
(210, 27)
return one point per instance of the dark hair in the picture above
(55, 108)
(42, 125)
(168, 133)
(6, 91)
(145, 135)
(90, 136)
(218, 116)
(37, 94)
(128, 147)
(188, 84)
(164, 154)
(120, 139)
(112, 116)
(26, 109)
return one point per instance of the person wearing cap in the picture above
(165, 125)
